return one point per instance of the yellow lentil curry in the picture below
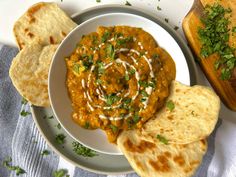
(117, 78)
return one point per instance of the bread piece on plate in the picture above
(43, 21)
(194, 116)
(29, 73)
(155, 159)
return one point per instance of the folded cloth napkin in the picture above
(17, 134)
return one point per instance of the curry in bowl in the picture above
(117, 79)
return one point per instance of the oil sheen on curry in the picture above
(117, 78)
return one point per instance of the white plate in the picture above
(60, 102)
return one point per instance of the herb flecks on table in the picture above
(162, 139)
(17, 169)
(24, 113)
(60, 173)
(79, 149)
(45, 152)
(24, 101)
(214, 38)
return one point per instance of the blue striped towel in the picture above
(17, 134)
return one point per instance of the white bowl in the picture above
(58, 94)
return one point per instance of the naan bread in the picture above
(29, 73)
(193, 118)
(155, 159)
(45, 22)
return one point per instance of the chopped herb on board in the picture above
(214, 38)
(60, 173)
(17, 169)
(170, 105)
(79, 149)
(98, 0)
(162, 139)
(24, 113)
(58, 126)
(127, 3)
(60, 138)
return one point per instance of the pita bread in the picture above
(193, 118)
(45, 22)
(155, 159)
(29, 73)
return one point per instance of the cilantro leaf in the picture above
(162, 139)
(170, 105)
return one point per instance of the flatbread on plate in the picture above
(43, 21)
(193, 118)
(29, 73)
(155, 159)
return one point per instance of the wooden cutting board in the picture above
(226, 89)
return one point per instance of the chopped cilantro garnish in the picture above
(127, 3)
(24, 101)
(126, 77)
(105, 36)
(45, 152)
(127, 100)
(111, 99)
(114, 128)
(79, 149)
(76, 67)
(60, 138)
(100, 66)
(88, 61)
(215, 37)
(159, 8)
(144, 93)
(155, 56)
(132, 71)
(234, 29)
(17, 169)
(24, 113)
(143, 99)
(86, 125)
(99, 81)
(170, 105)
(110, 51)
(136, 118)
(60, 173)
(162, 139)
(124, 41)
